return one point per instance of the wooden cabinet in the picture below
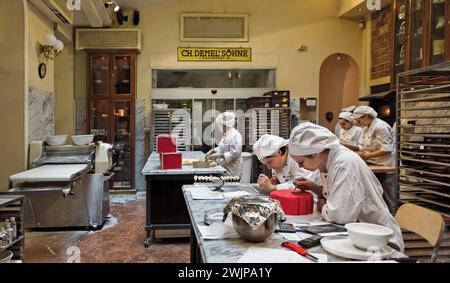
(111, 109)
(421, 34)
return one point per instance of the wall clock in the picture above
(42, 70)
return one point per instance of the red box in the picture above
(166, 144)
(294, 204)
(171, 160)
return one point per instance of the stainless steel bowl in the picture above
(263, 232)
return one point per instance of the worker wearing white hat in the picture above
(350, 192)
(376, 142)
(338, 128)
(349, 133)
(377, 145)
(273, 152)
(228, 151)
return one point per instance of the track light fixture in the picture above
(113, 4)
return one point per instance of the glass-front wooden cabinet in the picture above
(111, 113)
(421, 34)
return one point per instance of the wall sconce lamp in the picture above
(51, 47)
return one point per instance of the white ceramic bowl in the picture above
(56, 140)
(160, 106)
(365, 235)
(82, 139)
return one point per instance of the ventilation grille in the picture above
(55, 10)
(214, 27)
(108, 39)
(61, 11)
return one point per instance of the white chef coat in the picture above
(290, 171)
(350, 136)
(353, 193)
(231, 147)
(378, 136)
(337, 129)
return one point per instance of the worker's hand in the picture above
(213, 157)
(302, 184)
(321, 203)
(363, 155)
(212, 151)
(265, 184)
(274, 180)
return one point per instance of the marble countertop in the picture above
(231, 250)
(50, 173)
(153, 166)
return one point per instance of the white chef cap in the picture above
(364, 110)
(226, 119)
(346, 116)
(309, 138)
(349, 109)
(268, 145)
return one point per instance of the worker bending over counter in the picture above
(349, 192)
(273, 151)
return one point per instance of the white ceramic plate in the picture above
(342, 246)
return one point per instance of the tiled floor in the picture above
(120, 240)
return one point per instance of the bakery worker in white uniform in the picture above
(273, 151)
(338, 127)
(350, 192)
(228, 151)
(377, 145)
(349, 133)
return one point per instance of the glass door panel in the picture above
(400, 35)
(100, 120)
(122, 145)
(122, 75)
(417, 34)
(437, 32)
(224, 105)
(99, 75)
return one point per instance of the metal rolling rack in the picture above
(172, 121)
(423, 135)
(275, 121)
(261, 121)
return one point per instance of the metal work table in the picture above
(9, 199)
(165, 207)
(231, 250)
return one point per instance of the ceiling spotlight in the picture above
(114, 4)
